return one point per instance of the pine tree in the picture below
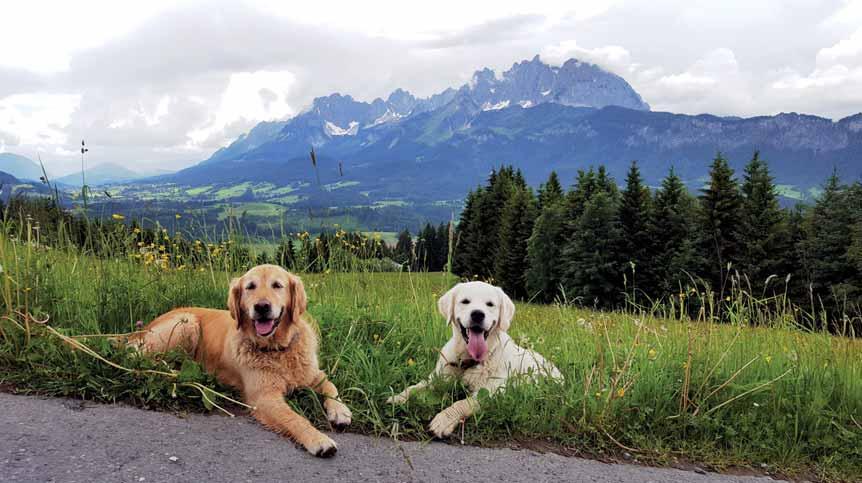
(544, 252)
(594, 269)
(830, 242)
(764, 237)
(577, 198)
(674, 233)
(550, 192)
(285, 255)
(545, 245)
(854, 253)
(635, 212)
(516, 225)
(720, 207)
(424, 249)
(467, 236)
(441, 249)
(404, 248)
(501, 187)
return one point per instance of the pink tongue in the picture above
(476, 345)
(263, 327)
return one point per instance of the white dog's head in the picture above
(475, 310)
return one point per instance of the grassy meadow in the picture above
(658, 389)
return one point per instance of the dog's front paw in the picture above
(338, 414)
(397, 399)
(443, 425)
(322, 446)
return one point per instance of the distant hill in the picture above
(12, 186)
(107, 173)
(19, 166)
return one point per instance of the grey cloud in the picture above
(18, 81)
(8, 139)
(499, 30)
(267, 96)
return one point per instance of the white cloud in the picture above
(42, 36)
(38, 119)
(848, 50)
(250, 96)
(611, 57)
(836, 77)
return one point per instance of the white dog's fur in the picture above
(474, 309)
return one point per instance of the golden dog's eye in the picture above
(465, 301)
(277, 285)
(251, 286)
(489, 304)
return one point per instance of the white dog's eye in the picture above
(489, 304)
(277, 285)
(250, 286)
(465, 301)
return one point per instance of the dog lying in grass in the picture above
(480, 352)
(262, 346)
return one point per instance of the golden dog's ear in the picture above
(446, 304)
(234, 301)
(507, 310)
(298, 298)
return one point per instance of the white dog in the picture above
(480, 351)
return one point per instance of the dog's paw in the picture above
(338, 414)
(397, 399)
(322, 446)
(443, 425)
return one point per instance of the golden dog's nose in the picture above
(262, 308)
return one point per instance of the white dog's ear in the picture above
(507, 310)
(446, 304)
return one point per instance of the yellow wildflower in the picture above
(118, 217)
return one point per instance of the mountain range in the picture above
(534, 116)
(406, 156)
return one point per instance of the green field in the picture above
(723, 395)
(263, 210)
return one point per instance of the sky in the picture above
(162, 84)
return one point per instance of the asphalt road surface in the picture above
(60, 440)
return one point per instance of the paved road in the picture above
(70, 441)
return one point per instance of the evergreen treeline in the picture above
(601, 246)
(428, 253)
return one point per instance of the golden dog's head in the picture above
(265, 298)
(476, 310)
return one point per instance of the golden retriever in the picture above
(262, 346)
(480, 352)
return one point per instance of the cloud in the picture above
(835, 81)
(161, 85)
(37, 119)
(615, 58)
(501, 30)
(848, 50)
(249, 97)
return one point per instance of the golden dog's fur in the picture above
(263, 367)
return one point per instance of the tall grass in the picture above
(650, 381)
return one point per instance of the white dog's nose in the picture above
(477, 316)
